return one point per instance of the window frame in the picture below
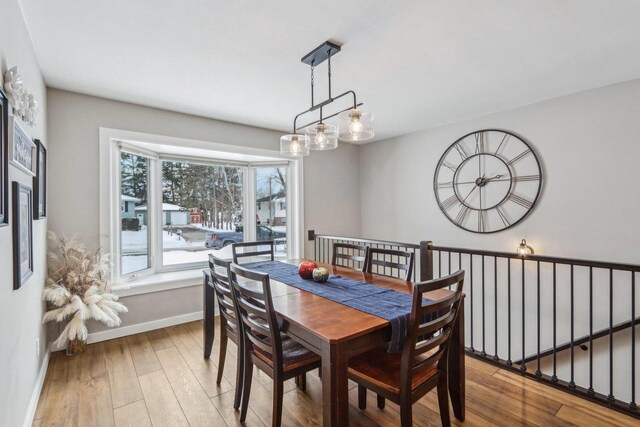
(112, 141)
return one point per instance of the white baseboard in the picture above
(35, 396)
(124, 331)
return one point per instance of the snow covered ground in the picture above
(176, 250)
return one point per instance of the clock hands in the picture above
(484, 180)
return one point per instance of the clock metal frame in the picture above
(511, 180)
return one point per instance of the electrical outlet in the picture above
(37, 347)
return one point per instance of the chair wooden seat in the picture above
(294, 354)
(405, 377)
(381, 369)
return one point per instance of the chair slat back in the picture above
(220, 278)
(252, 249)
(252, 295)
(343, 252)
(391, 258)
(431, 325)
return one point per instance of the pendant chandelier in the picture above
(353, 124)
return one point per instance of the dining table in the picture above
(337, 332)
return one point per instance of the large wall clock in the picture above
(487, 181)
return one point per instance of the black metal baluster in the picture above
(471, 349)
(610, 397)
(538, 371)
(483, 352)
(632, 404)
(572, 384)
(590, 389)
(523, 367)
(509, 362)
(554, 377)
(495, 306)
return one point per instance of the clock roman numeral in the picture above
(461, 151)
(504, 138)
(448, 203)
(447, 184)
(503, 217)
(520, 156)
(481, 221)
(449, 166)
(479, 142)
(525, 178)
(520, 201)
(461, 215)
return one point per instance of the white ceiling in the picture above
(415, 64)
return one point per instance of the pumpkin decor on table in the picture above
(320, 275)
(78, 287)
(305, 269)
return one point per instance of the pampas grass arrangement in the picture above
(78, 287)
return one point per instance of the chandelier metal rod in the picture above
(329, 117)
(324, 103)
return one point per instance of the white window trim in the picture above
(110, 224)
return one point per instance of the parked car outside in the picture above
(220, 239)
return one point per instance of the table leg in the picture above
(335, 391)
(208, 302)
(456, 366)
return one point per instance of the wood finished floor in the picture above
(160, 378)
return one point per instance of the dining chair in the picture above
(405, 377)
(349, 252)
(252, 249)
(264, 344)
(229, 328)
(385, 258)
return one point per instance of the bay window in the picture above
(166, 207)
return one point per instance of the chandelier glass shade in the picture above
(322, 136)
(294, 145)
(355, 125)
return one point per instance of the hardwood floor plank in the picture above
(194, 401)
(224, 404)
(162, 404)
(45, 390)
(143, 354)
(541, 402)
(582, 417)
(61, 408)
(123, 379)
(516, 407)
(567, 399)
(94, 403)
(132, 415)
(205, 370)
(159, 339)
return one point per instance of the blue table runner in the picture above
(385, 303)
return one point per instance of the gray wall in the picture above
(589, 147)
(21, 310)
(331, 179)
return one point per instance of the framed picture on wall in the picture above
(4, 160)
(40, 182)
(22, 148)
(22, 200)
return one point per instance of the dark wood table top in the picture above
(331, 321)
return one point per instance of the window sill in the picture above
(160, 282)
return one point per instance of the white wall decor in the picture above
(24, 103)
(22, 148)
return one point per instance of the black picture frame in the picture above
(22, 200)
(4, 160)
(40, 182)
